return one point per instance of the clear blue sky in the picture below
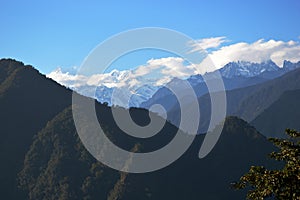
(48, 34)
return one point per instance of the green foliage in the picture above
(280, 184)
(57, 166)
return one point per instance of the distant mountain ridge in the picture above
(101, 87)
(247, 69)
(247, 102)
(283, 113)
(143, 90)
(235, 75)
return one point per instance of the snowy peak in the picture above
(247, 69)
(119, 75)
(288, 65)
(143, 86)
(195, 79)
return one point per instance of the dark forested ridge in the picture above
(57, 166)
(43, 157)
(28, 100)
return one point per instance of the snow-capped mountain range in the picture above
(247, 69)
(141, 94)
(102, 86)
(142, 88)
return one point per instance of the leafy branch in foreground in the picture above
(279, 184)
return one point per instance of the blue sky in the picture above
(48, 34)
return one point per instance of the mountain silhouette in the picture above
(43, 157)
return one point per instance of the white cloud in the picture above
(67, 79)
(160, 71)
(171, 66)
(207, 43)
(258, 51)
(156, 72)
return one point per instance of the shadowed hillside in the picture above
(57, 166)
(284, 112)
(44, 157)
(28, 100)
(246, 103)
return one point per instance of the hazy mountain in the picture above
(166, 98)
(261, 96)
(247, 102)
(145, 88)
(283, 113)
(235, 75)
